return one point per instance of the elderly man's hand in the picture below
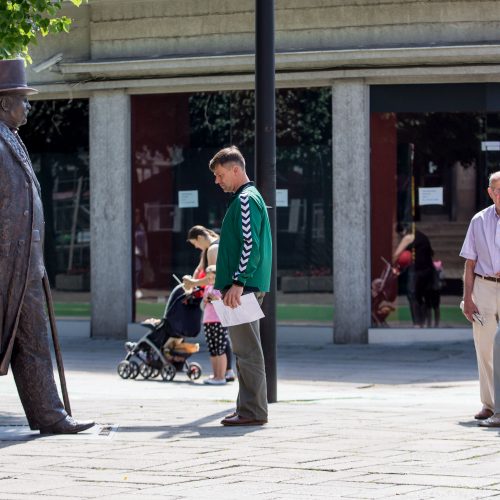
(469, 309)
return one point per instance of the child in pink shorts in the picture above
(216, 335)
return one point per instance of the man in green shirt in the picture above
(244, 266)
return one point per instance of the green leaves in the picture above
(22, 20)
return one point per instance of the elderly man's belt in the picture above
(488, 278)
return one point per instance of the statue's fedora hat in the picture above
(13, 77)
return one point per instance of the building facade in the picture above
(387, 114)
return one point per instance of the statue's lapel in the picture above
(19, 150)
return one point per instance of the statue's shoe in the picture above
(67, 425)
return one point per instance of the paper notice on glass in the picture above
(248, 311)
(430, 196)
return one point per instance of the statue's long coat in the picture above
(16, 228)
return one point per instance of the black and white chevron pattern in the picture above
(247, 236)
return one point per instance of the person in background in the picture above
(433, 296)
(207, 241)
(421, 273)
(216, 335)
(481, 304)
(140, 252)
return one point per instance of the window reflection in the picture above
(57, 138)
(429, 174)
(173, 138)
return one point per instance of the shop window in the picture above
(57, 138)
(429, 176)
(173, 138)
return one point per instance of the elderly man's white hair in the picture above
(495, 176)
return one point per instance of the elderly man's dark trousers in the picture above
(31, 363)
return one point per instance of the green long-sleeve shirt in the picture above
(245, 248)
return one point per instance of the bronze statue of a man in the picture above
(23, 322)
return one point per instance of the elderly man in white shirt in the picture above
(481, 305)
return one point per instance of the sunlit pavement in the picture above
(373, 421)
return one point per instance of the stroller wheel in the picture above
(168, 372)
(145, 370)
(134, 369)
(123, 369)
(154, 373)
(194, 371)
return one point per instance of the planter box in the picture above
(321, 284)
(73, 282)
(294, 284)
(297, 284)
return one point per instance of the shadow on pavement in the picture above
(198, 428)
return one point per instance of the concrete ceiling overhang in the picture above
(287, 61)
(300, 68)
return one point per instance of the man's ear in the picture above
(4, 103)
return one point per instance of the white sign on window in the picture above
(282, 197)
(490, 145)
(430, 196)
(188, 199)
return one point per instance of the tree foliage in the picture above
(21, 21)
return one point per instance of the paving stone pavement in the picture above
(357, 422)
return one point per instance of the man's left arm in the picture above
(251, 220)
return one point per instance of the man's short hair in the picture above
(230, 154)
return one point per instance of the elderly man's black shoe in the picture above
(67, 426)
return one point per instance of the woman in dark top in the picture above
(422, 296)
(207, 241)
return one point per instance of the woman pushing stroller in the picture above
(219, 345)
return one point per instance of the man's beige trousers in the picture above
(486, 296)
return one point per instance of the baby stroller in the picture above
(384, 293)
(162, 350)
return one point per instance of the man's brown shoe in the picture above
(239, 420)
(67, 426)
(483, 414)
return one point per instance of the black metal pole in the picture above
(265, 168)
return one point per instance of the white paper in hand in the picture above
(248, 311)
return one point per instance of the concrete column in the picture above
(110, 214)
(351, 211)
